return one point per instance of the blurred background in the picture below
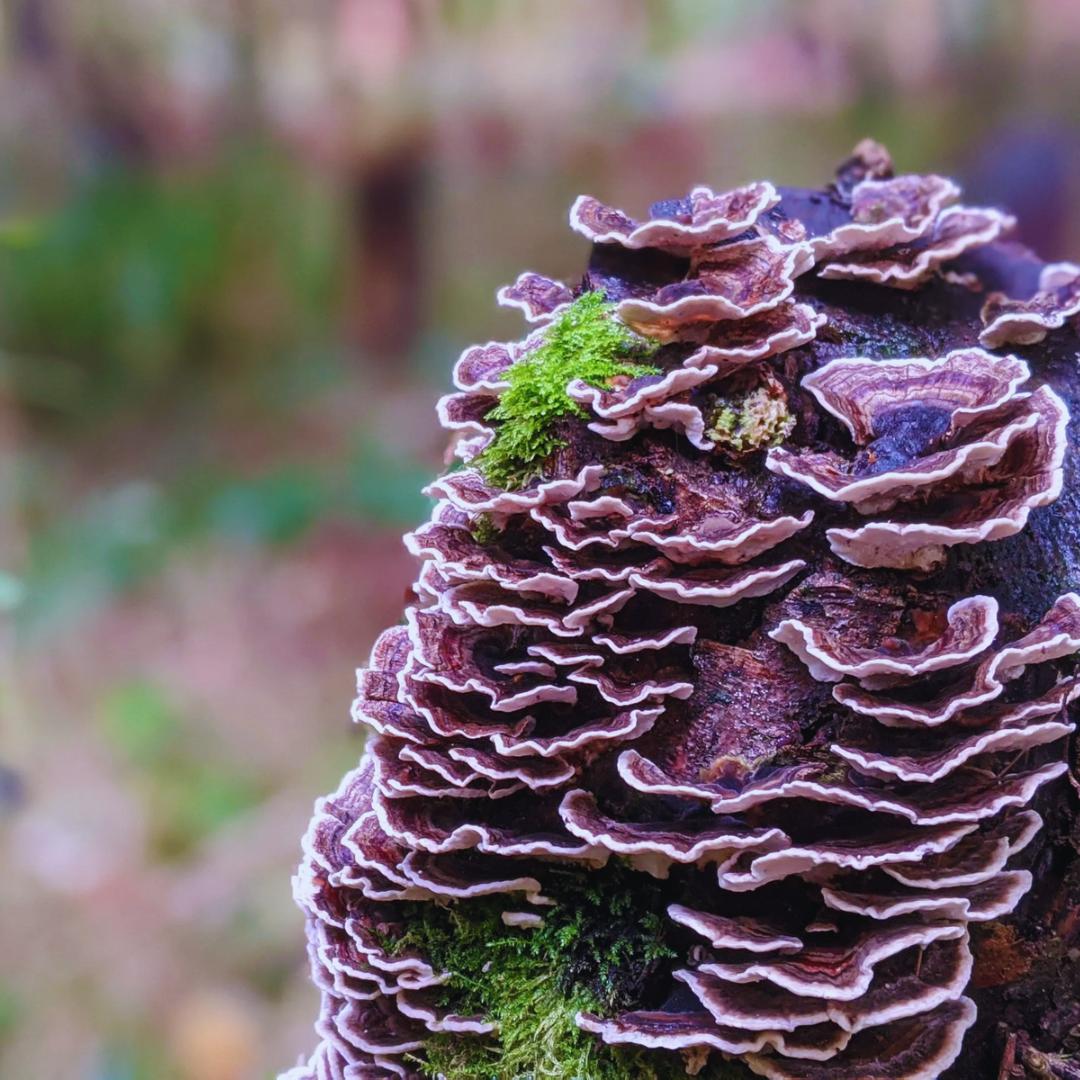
(241, 243)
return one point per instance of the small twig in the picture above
(1008, 1058)
(1012, 761)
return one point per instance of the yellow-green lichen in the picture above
(752, 420)
(586, 342)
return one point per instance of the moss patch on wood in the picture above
(484, 530)
(605, 940)
(586, 342)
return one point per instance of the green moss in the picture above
(752, 420)
(604, 944)
(586, 342)
(484, 530)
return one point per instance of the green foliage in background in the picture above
(116, 539)
(586, 342)
(207, 298)
(133, 1053)
(189, 793)
(140, 281)
(11, 1008)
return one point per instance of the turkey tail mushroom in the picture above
(698, 691)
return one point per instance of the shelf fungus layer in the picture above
(714, 682)
(949, 451)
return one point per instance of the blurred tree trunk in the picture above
(386, 208)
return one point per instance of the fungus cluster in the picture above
(694, 755)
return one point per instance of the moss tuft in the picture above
(586, 342)
(484, 530)
(604, 940)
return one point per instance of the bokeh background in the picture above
(241, 243)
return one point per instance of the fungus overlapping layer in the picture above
(643, 656)
(900, 230)
(1027, 321)
(949, 451)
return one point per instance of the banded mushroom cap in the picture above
(735, 281)
(949, 451)
(899, 231)
(681, 226)
(1027, 321)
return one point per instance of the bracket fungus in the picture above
(736, 687)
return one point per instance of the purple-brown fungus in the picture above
(735, 691)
